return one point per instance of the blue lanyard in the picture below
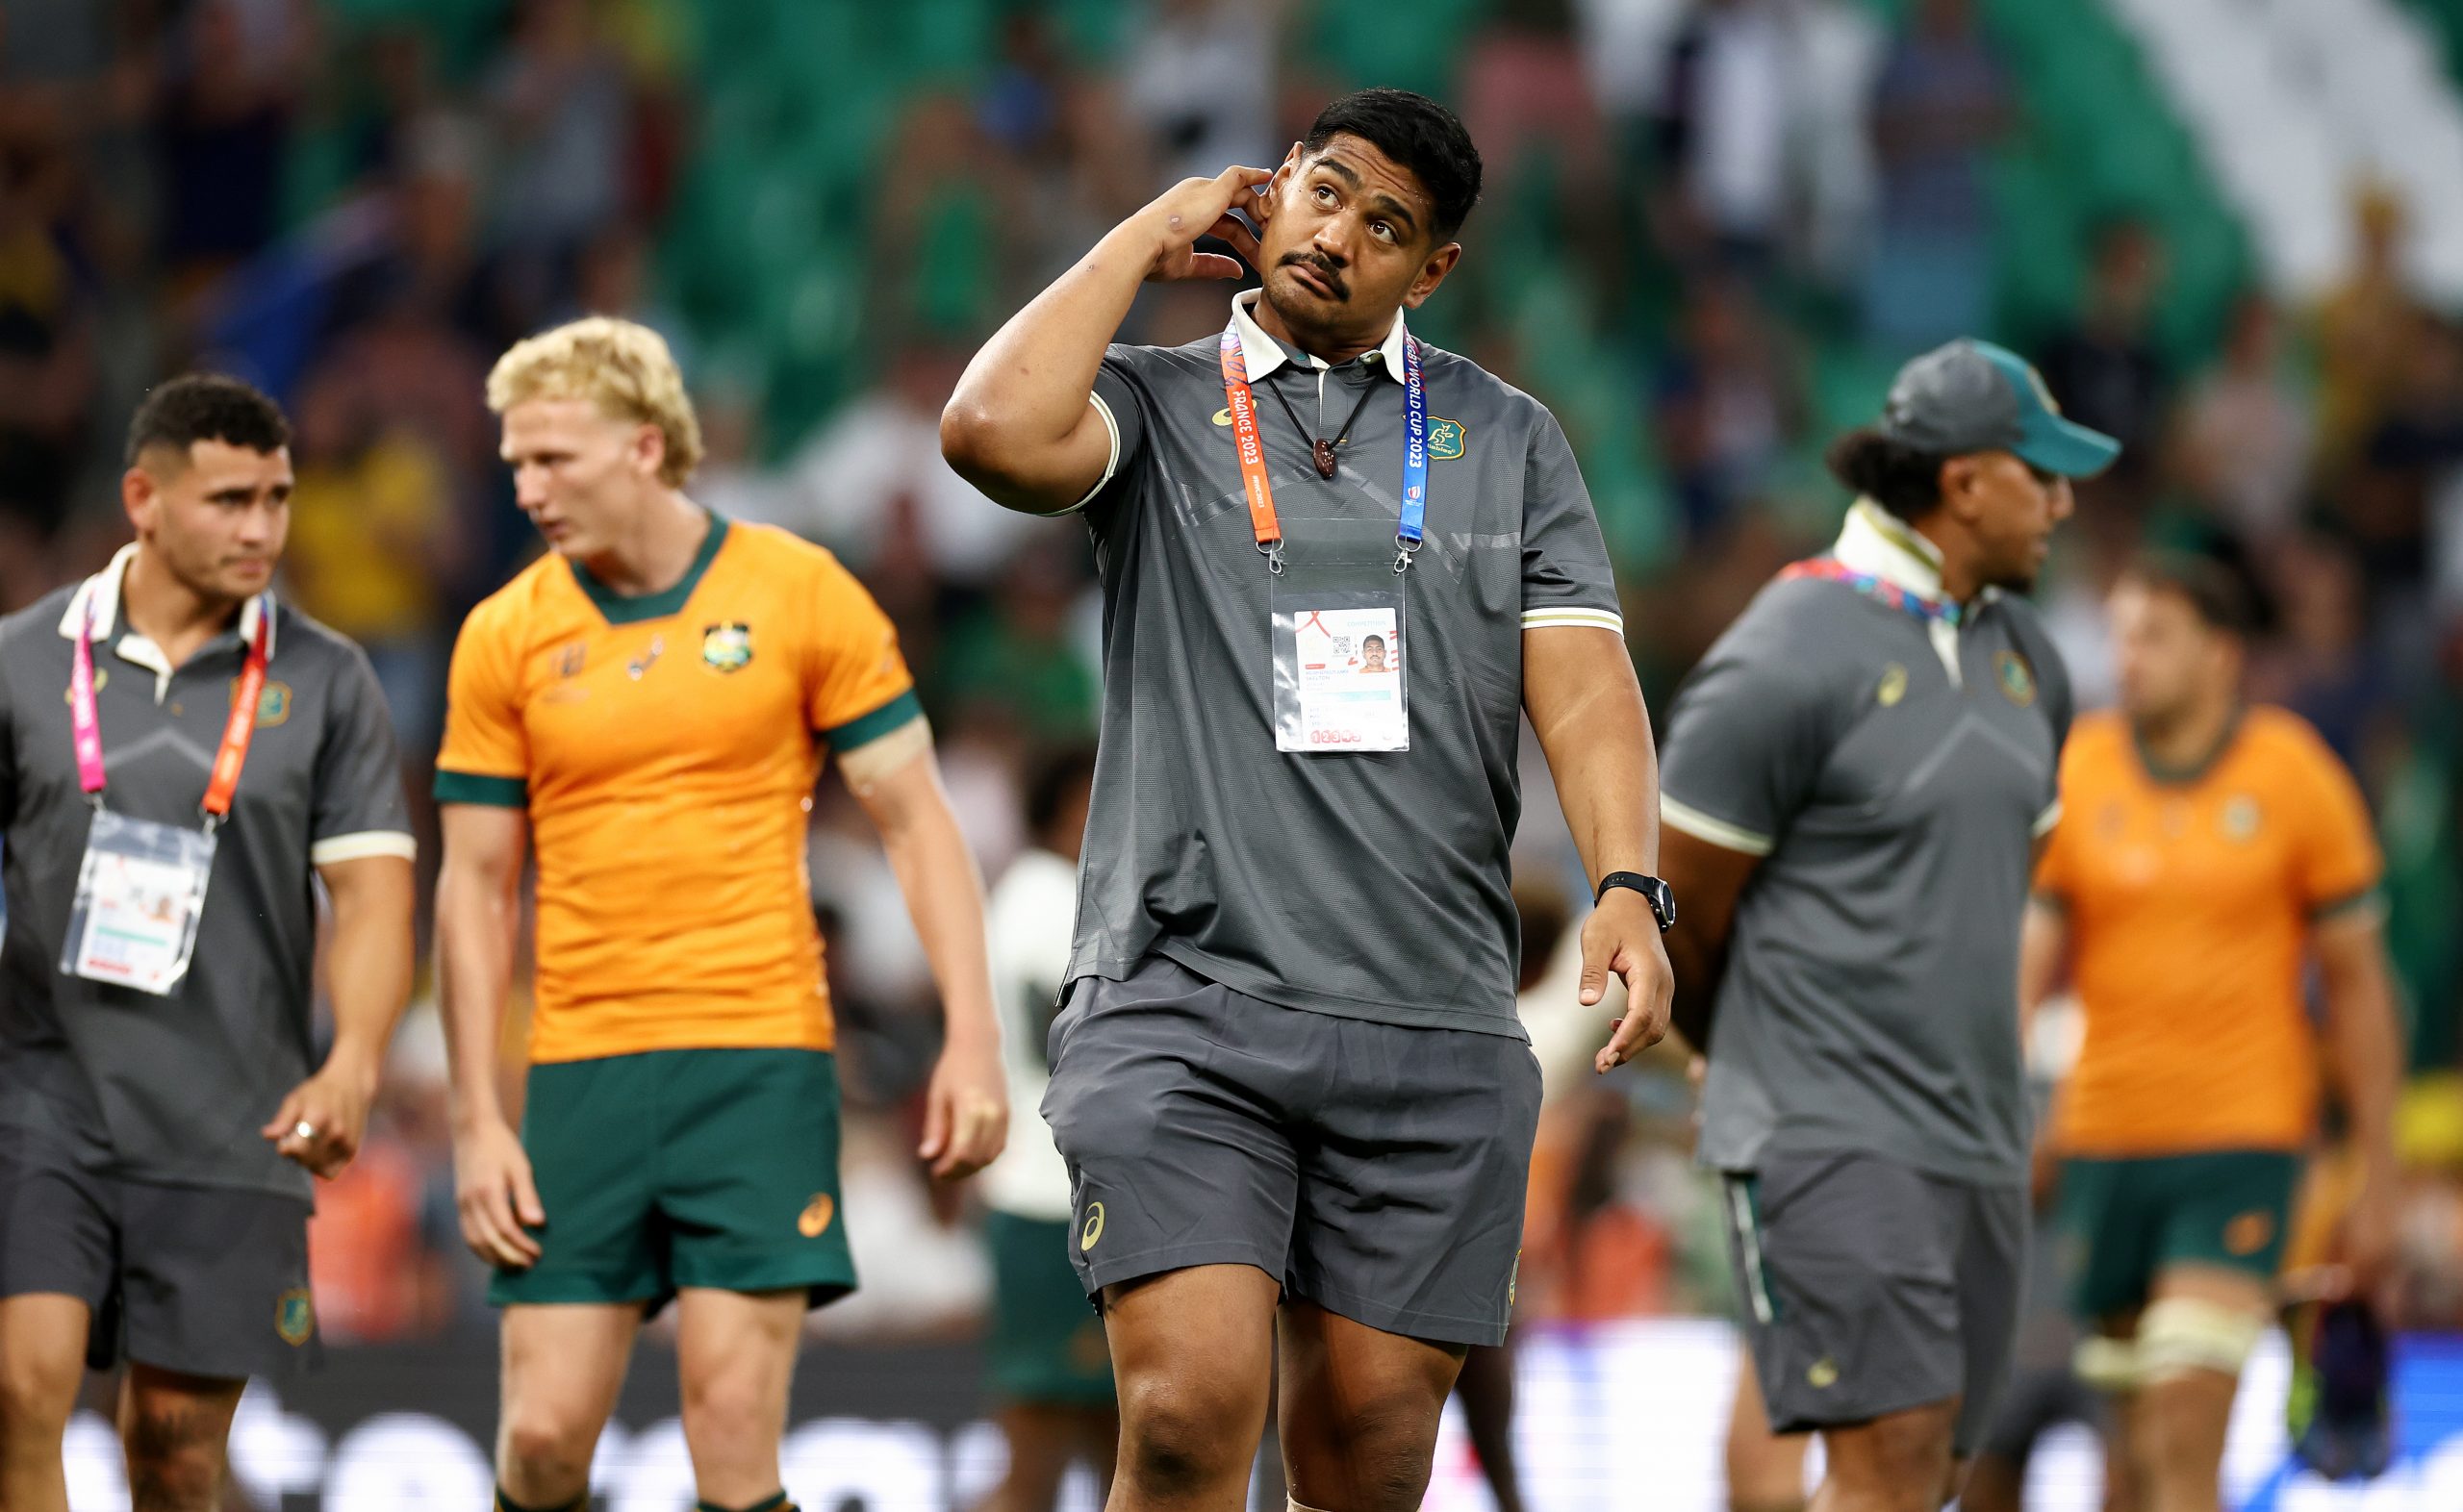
(1410, 528)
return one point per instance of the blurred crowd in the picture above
(1711, 228)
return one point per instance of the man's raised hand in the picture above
(1195, 207)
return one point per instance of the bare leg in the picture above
(1485, 1387)
(177, 1430)
(1765, 1470)
(564, 1363)
(736, 1354)
(1044, 1438)
(1359, 1410)
(2181, 1417)
(43, 1362)
(1192, 1353)
(1900, 1463)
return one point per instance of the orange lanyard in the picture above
(1243, 404)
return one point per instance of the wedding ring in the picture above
(303, 1129)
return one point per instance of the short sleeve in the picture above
(358, 809)
(1566, 576)
(1746, 741)
(1119, 404)
(2338, 864)
(2056, 873)
(856, 682)
(485, 754)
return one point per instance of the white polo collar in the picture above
(1877, 542)
(102, 592)
(1263, 354)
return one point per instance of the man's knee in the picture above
(730, 1408)
(1386, 1444)
(1902, 1461)
(175, 1456)
(547, 1446)
(1182, 1432)
(38, 1391)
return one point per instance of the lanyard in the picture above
(1830, 569)
(1238, 397)
(86, 726)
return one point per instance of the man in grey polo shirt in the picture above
(1857, 773)
(1288, 1068)
(158, 1125)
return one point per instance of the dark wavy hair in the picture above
(1417, 133)
(2217, 594)
(196, 407)
(1901, 478)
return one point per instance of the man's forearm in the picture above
(367, 963)
(1587, 709)
(475, 924)
(945, 899)
(2360, 1015)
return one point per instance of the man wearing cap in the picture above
(181, 759)
(1856, 776)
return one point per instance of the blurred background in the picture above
(2229, 231)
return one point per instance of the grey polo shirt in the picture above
(1893, 776)
(1370, 885)
(174, 1089)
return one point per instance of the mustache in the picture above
(1329, 271)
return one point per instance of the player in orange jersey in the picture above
(644, 709)
(2207, 855)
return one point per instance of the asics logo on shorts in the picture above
(814, 1221)
(1094, 1229)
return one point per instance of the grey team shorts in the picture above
(203, 1281)
(1871, 1287)
(1374, 1170)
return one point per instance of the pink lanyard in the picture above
(86, 726)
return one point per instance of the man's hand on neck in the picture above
(177, 617)
(654, 556)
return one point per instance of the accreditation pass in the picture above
(1350, 681)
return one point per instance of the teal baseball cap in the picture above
(1972, 395)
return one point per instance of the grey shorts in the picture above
(203, 1281)
(1871, 1288)
(1375, 1170)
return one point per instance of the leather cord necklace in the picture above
(1321, 451)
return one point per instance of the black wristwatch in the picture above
(1655, 892)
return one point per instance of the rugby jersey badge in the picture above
(1445, 439)
(295, 1316)
(728, 648)
(2018, 678)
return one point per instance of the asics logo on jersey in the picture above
(639, 665)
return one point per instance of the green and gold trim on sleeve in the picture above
(863, 729)
(2369, 903)
(469, 787)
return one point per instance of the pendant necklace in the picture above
(1321, 451)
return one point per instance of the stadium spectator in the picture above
(2246, 441)
(2364, 329)
(1941, 106)
(2104, 370)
